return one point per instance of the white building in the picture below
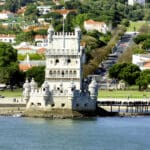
(4, 15)
(7, 38)
(141, 60)
(132, 2)
(90, 25)
(44, 9)
(41, 40)
(63, 87)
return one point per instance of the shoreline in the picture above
(68, 114)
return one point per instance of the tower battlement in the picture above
(63, 88)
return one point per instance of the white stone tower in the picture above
(64, 59)
(62, 89)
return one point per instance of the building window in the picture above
(57, 61)
(62, 74)
(85, 105)
(32, 104)
(39, 104)
(68, 61)
(77, 105)
(62, 105)
(50, 73)
(52, 105)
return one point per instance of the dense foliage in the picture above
(14, 5)
(125, 71)
(38, 73)
(9, 70)
(144, 79)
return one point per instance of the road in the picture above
(120, 47)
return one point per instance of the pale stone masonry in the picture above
(63, 87)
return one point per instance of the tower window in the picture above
(57, 61)
(50, 72)
(85, 105)
(53, 105)
(77, 105)
(68, 61)
(39, 104)
(62, 73)
(62, 105)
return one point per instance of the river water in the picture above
(116, 133)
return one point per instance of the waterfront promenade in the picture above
(125, 105)
(121, 106)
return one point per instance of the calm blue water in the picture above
(88, 134)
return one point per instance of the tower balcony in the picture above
(62, 52)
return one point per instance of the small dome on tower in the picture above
(26, 84)
(50, 29)
(72, 85)
(45, 85)
(77, 29)
(93, 84)
(33, 84)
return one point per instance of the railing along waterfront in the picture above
(136, 106)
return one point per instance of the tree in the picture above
(125, 71)
(130, 73)
(144, 79)
(14, 5)
(38, 73)
(8, 55)
(31, 10)
(25, 37)
(79, 19)
(9, 70)
(114, 71)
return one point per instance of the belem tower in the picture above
(63, 87)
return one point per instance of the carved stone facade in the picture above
(63, 87)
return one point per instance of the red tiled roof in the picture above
(7, 35)
(147, 64)
(40, 37)
(94, 22)
(63, 11)
(21, 10)
(24, 48)
(5, 12)
(41, 50)
(24, 67)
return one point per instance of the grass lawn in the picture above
(136, 24)
(101, 94)
(14, 93)
(123, 94)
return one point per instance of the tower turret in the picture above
(50, 34)
(33, 85)
(93, 89)
(27, 89)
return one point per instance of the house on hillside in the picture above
(25, 48)
(7, 38)
(41, 40)
(90, 25)
(132, 2)
(141, 60)
(4, 15)
(44, 9)
(28, 64)
(21, 11)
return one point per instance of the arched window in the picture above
(57, 61)
(74, 73)
(62, 73)
(50, 73)
(68, 61)
(52, 105)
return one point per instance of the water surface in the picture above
(86, 134)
